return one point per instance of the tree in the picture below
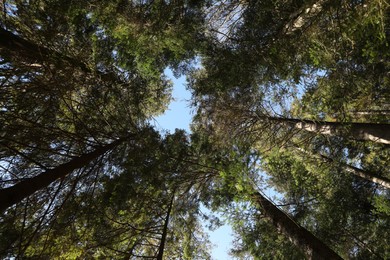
(261, 66)
(76, 79)
(25, 188)
(256, 237)
(308, 183)
(20, 50)
(336, 205)
(164, 234)
(236, 185)
(374, 177)
(274, 78)
(119, 208)
(311, 246)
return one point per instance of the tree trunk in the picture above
(302, 17)
(373, 112)
(165, 232)
(379, 133)
(32, 55)
(385, 182)
(17, 48)
(18, 192)
(370, 176)
(310, 245)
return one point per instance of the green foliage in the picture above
(382, 206)
(77, 75)
(257, 238)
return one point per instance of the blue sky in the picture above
(179, 116)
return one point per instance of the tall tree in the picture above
(274, 76)
(371, 176)
(25, 188)
(165, 232)
(120, 208)
(236, 184)
(340, 207)
(311, 246)
(81, 74)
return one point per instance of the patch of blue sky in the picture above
(178, 115)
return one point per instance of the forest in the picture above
(289, 96)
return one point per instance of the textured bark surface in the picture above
(379, 133)
(385, 182)
(310, 245)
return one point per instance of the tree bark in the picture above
(310, 245)
(385, 182)
(12, 195)
(17, 48)
(362, 113)
(367, 175)
(379, 133)
(165, 232)
(300, 18)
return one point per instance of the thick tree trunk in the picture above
(14, 46)
(165, 232)
(379, 133)
(370, 176)
(18, 192)
(385, 182)
(301, 18)
(310, 245)
(17, 48)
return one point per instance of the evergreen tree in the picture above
(295, 92)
